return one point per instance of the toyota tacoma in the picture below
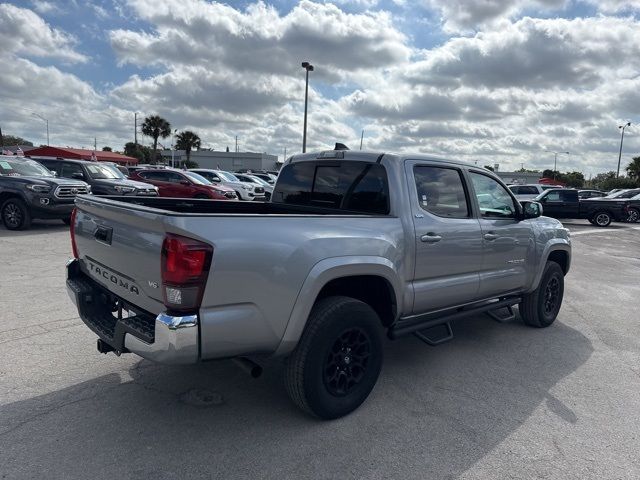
(353, 246)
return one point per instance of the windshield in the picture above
(101, 172)
(627, 194)
(259, 180)
(228, 176)
(197, 179)
(23, 168)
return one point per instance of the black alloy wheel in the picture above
(347, 361)
(15, 214)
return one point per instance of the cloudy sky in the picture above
(492, 81)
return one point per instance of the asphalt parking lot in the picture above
(499, 401)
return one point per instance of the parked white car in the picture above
(245, 191)
(255, 180)
(529, 192)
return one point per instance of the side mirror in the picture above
(531, 210)
(185, 182)
(77, 175)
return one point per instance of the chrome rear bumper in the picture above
(164, 339)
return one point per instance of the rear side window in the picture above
(528, 191)
(441, 191)
(348, 185)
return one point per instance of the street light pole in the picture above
(309, 68)
(555, 162)
(46, 121)
(622, 127)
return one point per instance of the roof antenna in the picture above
(340, 146)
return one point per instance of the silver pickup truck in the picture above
(352, 246)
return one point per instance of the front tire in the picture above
(540, 308)
(338, 359)
(15, 214)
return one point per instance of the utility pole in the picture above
(622, 127)
(361, 138)
(236, 143)
(95, 144)
(284, 158)
(135, 129)
(2, 139)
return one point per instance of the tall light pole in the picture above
(135, 129)
(621, 127)
(555, 162)
(46, 121)
(309, 68)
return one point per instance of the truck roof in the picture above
(371, 156)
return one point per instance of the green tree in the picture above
(155, 127)
(608, 181)
(187, 141)
(13, 140)
(107, 149)
(572, 179)
(142, 153)
(633, 169)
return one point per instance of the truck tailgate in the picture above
(119, 246)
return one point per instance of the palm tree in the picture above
(154, 127)
(633, 169)
(187, 141)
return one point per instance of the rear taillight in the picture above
(72, 231)
(185, 267)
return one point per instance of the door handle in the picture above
(490, 236)
(430, 238)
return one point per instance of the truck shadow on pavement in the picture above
(434, 413)
(38, 227)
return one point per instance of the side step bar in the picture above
(420, 322)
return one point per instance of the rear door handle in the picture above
(430, 238)
(490, 236)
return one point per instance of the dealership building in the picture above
(229, 161)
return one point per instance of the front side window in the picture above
(441, 191)
(493, 198)
(71, 169)
(102, 172)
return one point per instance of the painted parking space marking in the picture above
(603, 230)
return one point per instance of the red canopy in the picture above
(80, 154)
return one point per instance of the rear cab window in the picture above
(441, 191)
(346, 185)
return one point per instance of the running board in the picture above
(421, 322)
(502, 318)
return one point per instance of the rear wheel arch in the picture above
(374, 290)
(336, 276)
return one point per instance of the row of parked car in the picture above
(47, 188)
(599, 208)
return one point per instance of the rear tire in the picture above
(338, 359)
(602, 219)
(540, 308)
(634, 215)
(15, 214)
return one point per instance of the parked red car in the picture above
(183, 184)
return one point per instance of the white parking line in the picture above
(602, 230)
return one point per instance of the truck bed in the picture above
(185, 206)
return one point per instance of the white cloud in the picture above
(464, 15)
(23, 32)
(260, 39)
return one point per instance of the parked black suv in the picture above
(28, 191)
(103, 178)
